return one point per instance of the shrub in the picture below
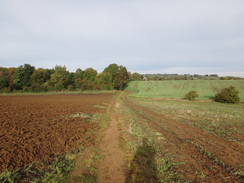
(228, 95)
(191, 95)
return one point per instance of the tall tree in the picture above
(113, 70)
(89, 74)
(104, 81)
(122, 78)
(21, 76)
(135, 76)
(78, 76)
(39, 77)
(10, 78)
(3, 77)
(59, 78)
(78, 73)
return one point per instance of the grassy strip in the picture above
(222, 119)
(146, 159)
(58, 92)
(46, 171)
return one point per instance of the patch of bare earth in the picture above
(111, 168)
(39, 127)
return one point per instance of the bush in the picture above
(228, 95)
(191, 95)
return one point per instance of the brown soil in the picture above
(35, 128)
(111, 168)
(206, 157)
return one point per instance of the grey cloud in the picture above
(142, 35)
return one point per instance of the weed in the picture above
(43, 172)
(192, 95)
(100, 106)
(8, 176)
(84, 116)
(214, 159)
(200, 175)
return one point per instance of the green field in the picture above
(206, 89)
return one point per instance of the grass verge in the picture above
(224, 120)
(145, 156)
(58, 92)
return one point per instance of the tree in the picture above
(191, 95)
(58, 78)
(78, 76)
(39, 77)
(228, 95)
(113, 70)
(135, 76)
(119, 75)
(70, 82)
(89, 74)
(21, 76)
(121, 78)
(3, 77)
(104, 81)
(10, 78)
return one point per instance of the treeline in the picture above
(188, 77)
(29, 79)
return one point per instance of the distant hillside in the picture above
(178, 88)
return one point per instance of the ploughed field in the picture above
(38, 127)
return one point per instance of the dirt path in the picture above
(111, 168)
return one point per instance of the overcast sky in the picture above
(146, 36)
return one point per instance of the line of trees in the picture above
(29, 79)
(156, 77)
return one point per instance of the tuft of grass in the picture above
(41, 172)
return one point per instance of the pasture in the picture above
(206, 89)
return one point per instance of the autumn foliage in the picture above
(28, 78)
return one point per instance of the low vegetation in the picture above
(191, 95)
(206, 89)
(228, 95)
(183, 131)
(46, 171)
(220, 119)
(146, 156)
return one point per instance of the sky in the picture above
(145, 36)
